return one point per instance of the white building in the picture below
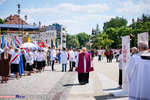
(54, 35)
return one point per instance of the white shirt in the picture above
(64, 56)
(34, 56)
(137, 74)
(120, 61)
(76, 53)
(29, 55)
(118, 52)
(53, 54)
(16, 61)
(71, 56)
(40, 56)
(44, 56)
(11, 51)
(99, 52)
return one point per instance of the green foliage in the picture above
(132, 30)
(114, 23)
(1, 21)
(83, 38)
(72, 41)
(102, 40)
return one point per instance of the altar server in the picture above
(64, 56)
(53, 57)
(71, 59)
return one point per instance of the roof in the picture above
(15, 26)
(14, 20)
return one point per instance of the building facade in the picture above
(54, 35)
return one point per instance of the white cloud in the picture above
(83, 23)
(66, 8)
(1, 1)
(134, 7)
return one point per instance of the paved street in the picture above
(57, 85)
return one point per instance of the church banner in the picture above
(143, 37)
(18, 40)
(126, 56)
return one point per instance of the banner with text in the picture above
(126, 56)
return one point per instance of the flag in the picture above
(3, 42)
(41, 44)
(54, 40)
(14, 43)
(28, 39)
(56, 43)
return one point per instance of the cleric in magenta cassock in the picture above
(84, 65)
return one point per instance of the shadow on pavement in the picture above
(112, 89)
(71, 85)
(106, 97)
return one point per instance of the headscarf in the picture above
(6, 51)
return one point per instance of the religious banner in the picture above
(126, 56)
(41, 44)
(18, 40)
(143, 37)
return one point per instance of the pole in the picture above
(22, 28)
(0, 38)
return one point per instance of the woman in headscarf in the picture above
(5, 64)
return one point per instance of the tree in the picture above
(72, 41)
(83, 38)
(114, 23)
(1, 21)
(102, 40)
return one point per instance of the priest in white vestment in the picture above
(138, 74)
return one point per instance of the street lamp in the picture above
(25, 17)
(18, 16)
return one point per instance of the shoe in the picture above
(62, 71)
(82, 83)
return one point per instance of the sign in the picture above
(126, 56)
(142, 37)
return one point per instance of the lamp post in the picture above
(39, 26)
(18, 16)
(25, 17)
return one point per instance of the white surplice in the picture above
(138, 77)
(72, 56)
(53, 54)
(64, 56)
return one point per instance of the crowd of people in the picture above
(20, 60)
(25, 61)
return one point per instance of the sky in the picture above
(77, 15)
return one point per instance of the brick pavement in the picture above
(57, 85)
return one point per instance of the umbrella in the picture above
(29, 45)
